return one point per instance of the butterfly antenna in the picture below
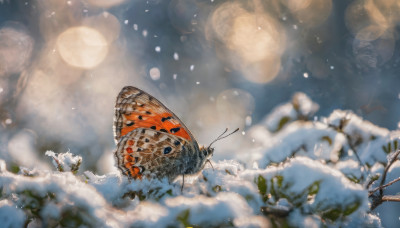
(222, 137)
(226, 129)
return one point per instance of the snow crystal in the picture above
(155, 73)
(144, 33)
(66, 162)
(176, 56)
(248, 120)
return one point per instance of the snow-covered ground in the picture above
(291, 170)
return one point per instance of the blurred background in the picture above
(215, 63)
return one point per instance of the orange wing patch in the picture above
(131, 169)
(164, 122)
(137, 109)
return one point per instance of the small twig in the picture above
(386, 171)
(370, 183)
(379, 199)
(183, 182)
(383, 186)
(395, 198)
(352, 147)
(354, 150)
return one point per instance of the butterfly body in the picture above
(152, 141)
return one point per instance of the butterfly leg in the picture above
(183, 182)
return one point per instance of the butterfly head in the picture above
(205, 156)
(207, 152)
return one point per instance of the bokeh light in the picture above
(21, 149)
(235, 105)
(372, 18)
(255, 38)
(105, 23)
(105, 3)
(16, 46)
(182, 14)
(372, 23)
(82, 47)
(309, 13)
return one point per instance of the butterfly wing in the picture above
(137, 109)
(144, 152)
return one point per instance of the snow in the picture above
(314, 140)
(65, 161)
(101, 200)
(300, 106)
(252, 221)
(10, 216)
(304, 171)
(350, 168)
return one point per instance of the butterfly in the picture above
(152, 141)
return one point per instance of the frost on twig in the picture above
(379, 198)
(65, 162)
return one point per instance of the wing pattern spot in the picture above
(167, 150)
(166, 118)
(174, 130)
